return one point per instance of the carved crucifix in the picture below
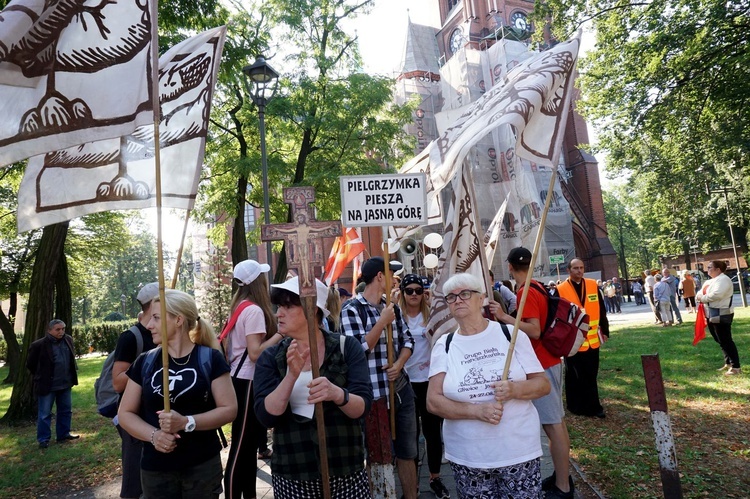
(304, 245)
(303, 236)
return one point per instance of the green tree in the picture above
(217, 292)
(668, 84)
(328, 118)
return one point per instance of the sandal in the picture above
(265, 454)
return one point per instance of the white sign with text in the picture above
(383, 200)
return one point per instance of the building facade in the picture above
(448, 67)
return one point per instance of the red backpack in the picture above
(567, 324)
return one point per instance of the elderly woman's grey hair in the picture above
(462, 281)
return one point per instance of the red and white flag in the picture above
(119, 173)
(71, 73)
(344, 250)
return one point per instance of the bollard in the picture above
(657, 402)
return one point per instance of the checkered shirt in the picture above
(377, 357)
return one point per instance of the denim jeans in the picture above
(64, 401)
(675, 307)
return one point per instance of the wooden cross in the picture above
(303, 236)
(304, 244)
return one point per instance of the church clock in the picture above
(519, 20)
(456, 40)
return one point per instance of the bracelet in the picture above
(153, 432)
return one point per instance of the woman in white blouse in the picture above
(717, 296)
(491, 428)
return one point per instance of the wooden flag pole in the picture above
(179, 253)
(303, 238)
(157, 163)
(389, 340)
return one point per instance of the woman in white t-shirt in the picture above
(252, 329)
(491, 428)
(414, 302)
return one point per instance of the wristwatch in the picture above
(346, 398)
(190, 426)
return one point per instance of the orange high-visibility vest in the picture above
(591, 305)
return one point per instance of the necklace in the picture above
(184, 363)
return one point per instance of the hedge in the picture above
(97, 337)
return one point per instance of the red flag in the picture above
(344, 249)
(700, 325)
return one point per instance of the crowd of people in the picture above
(258, 375)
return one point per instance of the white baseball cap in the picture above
(292, 285)
(247, 271)
(147, 293)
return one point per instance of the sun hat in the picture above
(292, 285)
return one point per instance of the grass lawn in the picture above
(710, 414)
(27, 471)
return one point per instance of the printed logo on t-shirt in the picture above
(179, 382)
(482, 372)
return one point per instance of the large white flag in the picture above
(117, 174)
(461, 247)
(531, 101)
(535, 101)
(72, 72)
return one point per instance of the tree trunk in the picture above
(239, 237)
(40, 311)
(63, 298)
(13, 356)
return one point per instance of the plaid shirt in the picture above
(296, 454)
(377, 357)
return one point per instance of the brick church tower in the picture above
(471, 26)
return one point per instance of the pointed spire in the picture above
(421, 52)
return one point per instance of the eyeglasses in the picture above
(464, 295)
(709, 267)
(411, 291)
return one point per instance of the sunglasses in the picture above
(411, 291)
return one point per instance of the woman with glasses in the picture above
(491, 428)
(286, 394)
(414, 302)
(716, 295)
(250, 330)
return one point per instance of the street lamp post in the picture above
(123, 301)
(725, 191)
(265, 83)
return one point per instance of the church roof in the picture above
(421, 52)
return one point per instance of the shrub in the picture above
(99, 336)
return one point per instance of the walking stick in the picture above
(389, 343)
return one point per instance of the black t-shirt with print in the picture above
(189, 394)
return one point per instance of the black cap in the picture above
(376, 264)
(344, 292)
(519, 256)
(411, 279)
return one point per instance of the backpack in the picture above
(204, 361)
(107, 399)
(566, 327)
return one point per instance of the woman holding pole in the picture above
(181, 452)
(491, 428)
(286, 394)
